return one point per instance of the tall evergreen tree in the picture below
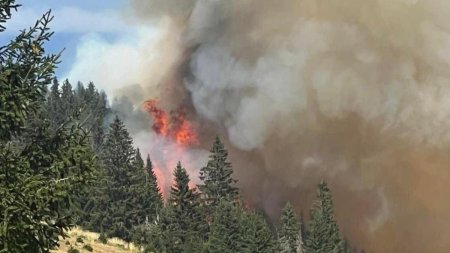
(257, 237)
(146, 199)
(79, 95)
(39, 167)
(185, 213)
(323, 234)
(158, 236)
(137, 192)
(97, 129)
(217, 181)
(54, 112)
(54, 94)
(91, 94)
(118, 157)
(226, 230)
(67, 104)
(154, 198)
(289, 234)
(118, 154)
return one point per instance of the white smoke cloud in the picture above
(112, 65)
(339, 63)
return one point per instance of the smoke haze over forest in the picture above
(355, 92)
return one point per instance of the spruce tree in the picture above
(118, 153)
(323, 234)
(226, 230)
(94, 202)
(154, 199)
(137, 192)
(54, 96)
(90, 94)
(39, 166)
(218, 183)
(100, 113)
(289, 234)
(54, 113)
(118, 156)
(256, 234)
(67, 100)
(144, 192)
(185, 214)
(158, 236)
(80, 96)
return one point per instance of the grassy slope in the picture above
(114, 245)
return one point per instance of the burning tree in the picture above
(174, 126)
(174, 136)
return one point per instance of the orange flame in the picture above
(176, 128)
(159, 117)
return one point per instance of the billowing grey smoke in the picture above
(356, 92)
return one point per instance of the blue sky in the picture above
(73, 20)
(102, 43)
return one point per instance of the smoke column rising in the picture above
(355, 92)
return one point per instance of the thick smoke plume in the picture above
(355, 92)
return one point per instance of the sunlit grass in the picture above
(114, 245)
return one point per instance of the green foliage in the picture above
(5, 11)
(158, 233)
(218, 183)
(73, 250)
(39, 167)
(88, 247)
(257, 236)
(103, 238)
(89, 107)
(289, 234)
(235, 230)
(184, 215)
(80, 239)
(118, 153)
(154, 196)
(36, 182)
(145, 196)
(25, 71)
(323, 234)
(226, 230)
(127, 196)
(117, 156)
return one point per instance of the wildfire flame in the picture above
(175, 128)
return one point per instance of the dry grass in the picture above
(114, 245)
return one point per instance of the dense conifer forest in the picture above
(67, 159)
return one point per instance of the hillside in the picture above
(79, 239)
